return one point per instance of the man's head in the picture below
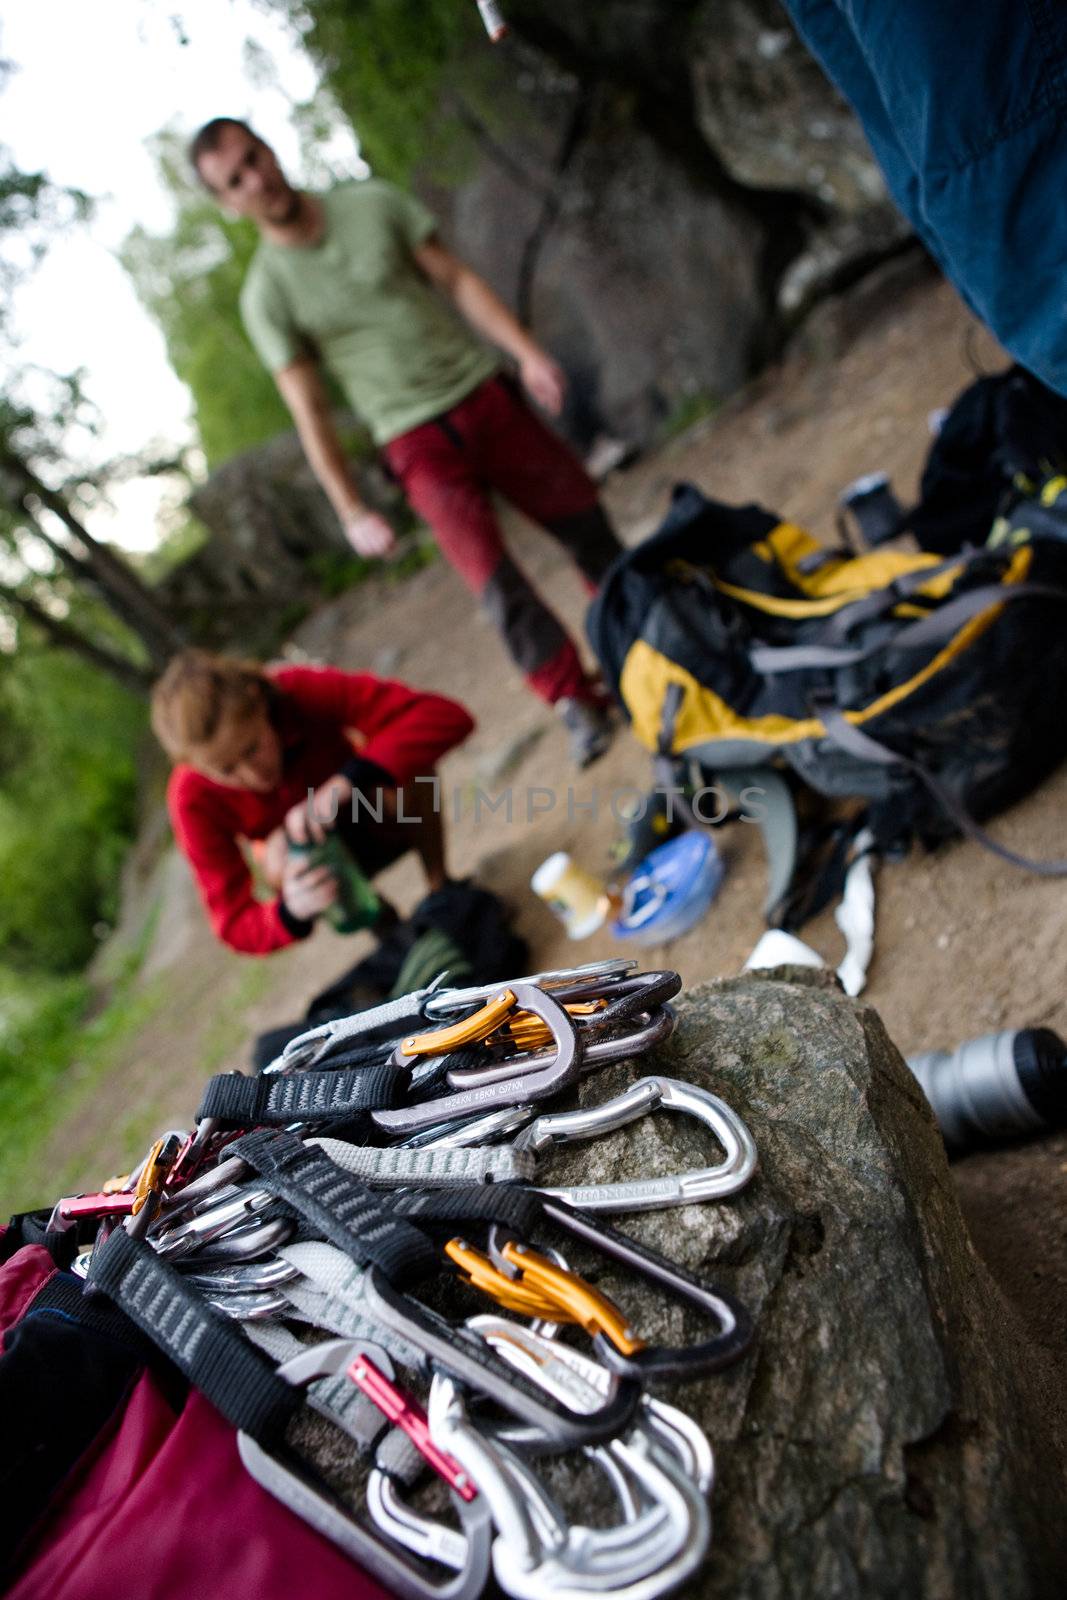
(242, 172)
(213, 713)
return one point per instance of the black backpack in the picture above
(933, 688)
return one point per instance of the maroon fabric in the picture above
(162, 1509)
(165, 1510)
(404, 731)
(448, 468)
(21, 1277)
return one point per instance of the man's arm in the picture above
(304, 392)
(483, 308)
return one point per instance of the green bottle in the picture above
(357, 905)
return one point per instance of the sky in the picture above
(93, 83)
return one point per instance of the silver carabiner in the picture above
(539, 1555)
(539, 1354)
(460, 1135)
(262, 1306)
(229, 1208)
(240, 1277)
(423, 1536)
(448, 1002)
(251, 1242)
(649, 1194)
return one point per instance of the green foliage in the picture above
(336, 571)
(182, 538)
(67, 806)
(383, 62)
(51, 567)
(38, 1022)
(32, 209)
(190, 280)
(54, 1052)
(690, 410)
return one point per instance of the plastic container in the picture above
(670, 890)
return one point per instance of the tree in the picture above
(383, 63)
(68, 740)
(38, 515)
(49, 555)
(68, 795)
(189, 280)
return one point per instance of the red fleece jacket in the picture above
(329, 722)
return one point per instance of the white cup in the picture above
(578, 898)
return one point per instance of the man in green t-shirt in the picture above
(356, 282)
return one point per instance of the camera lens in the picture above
(1001, 1086)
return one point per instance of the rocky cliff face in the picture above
(662, 188)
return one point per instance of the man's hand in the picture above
(311, 820)
(307, 890)
(368, 533)
(544, 381)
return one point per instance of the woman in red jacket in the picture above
(270, 753)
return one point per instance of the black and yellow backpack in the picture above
(935, 687)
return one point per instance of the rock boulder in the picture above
(894, 1431)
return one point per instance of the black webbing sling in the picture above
(338, 1207)
(320, 1097)
(203, 1344)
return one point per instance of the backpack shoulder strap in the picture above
(937, 628)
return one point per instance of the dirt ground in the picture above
(965, 943)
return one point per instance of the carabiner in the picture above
(405, 1413)
(240, 1277)
(657, 1026)
(533, 1085)
(323, 1512)
(262, 1306)
(638, 992)
(582, 980)
(538, 1553)
(457, 1035)
(467, 1131)
(423, 1536)
(539, 1288)
(554, 1364)
(154, 1171)
(229, 1208)
(568, 1297)
(649, 1194)
(728, 1345)
(250, 1242)
(456, 1352)
(510, 1292)
(75, 1208)
(226, 1172)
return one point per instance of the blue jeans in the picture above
(964, 104)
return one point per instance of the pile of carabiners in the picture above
(283, 1253)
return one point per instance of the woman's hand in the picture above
(307, 890)
(311, 820)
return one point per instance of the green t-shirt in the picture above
(358, 302)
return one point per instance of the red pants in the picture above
(448, 468)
